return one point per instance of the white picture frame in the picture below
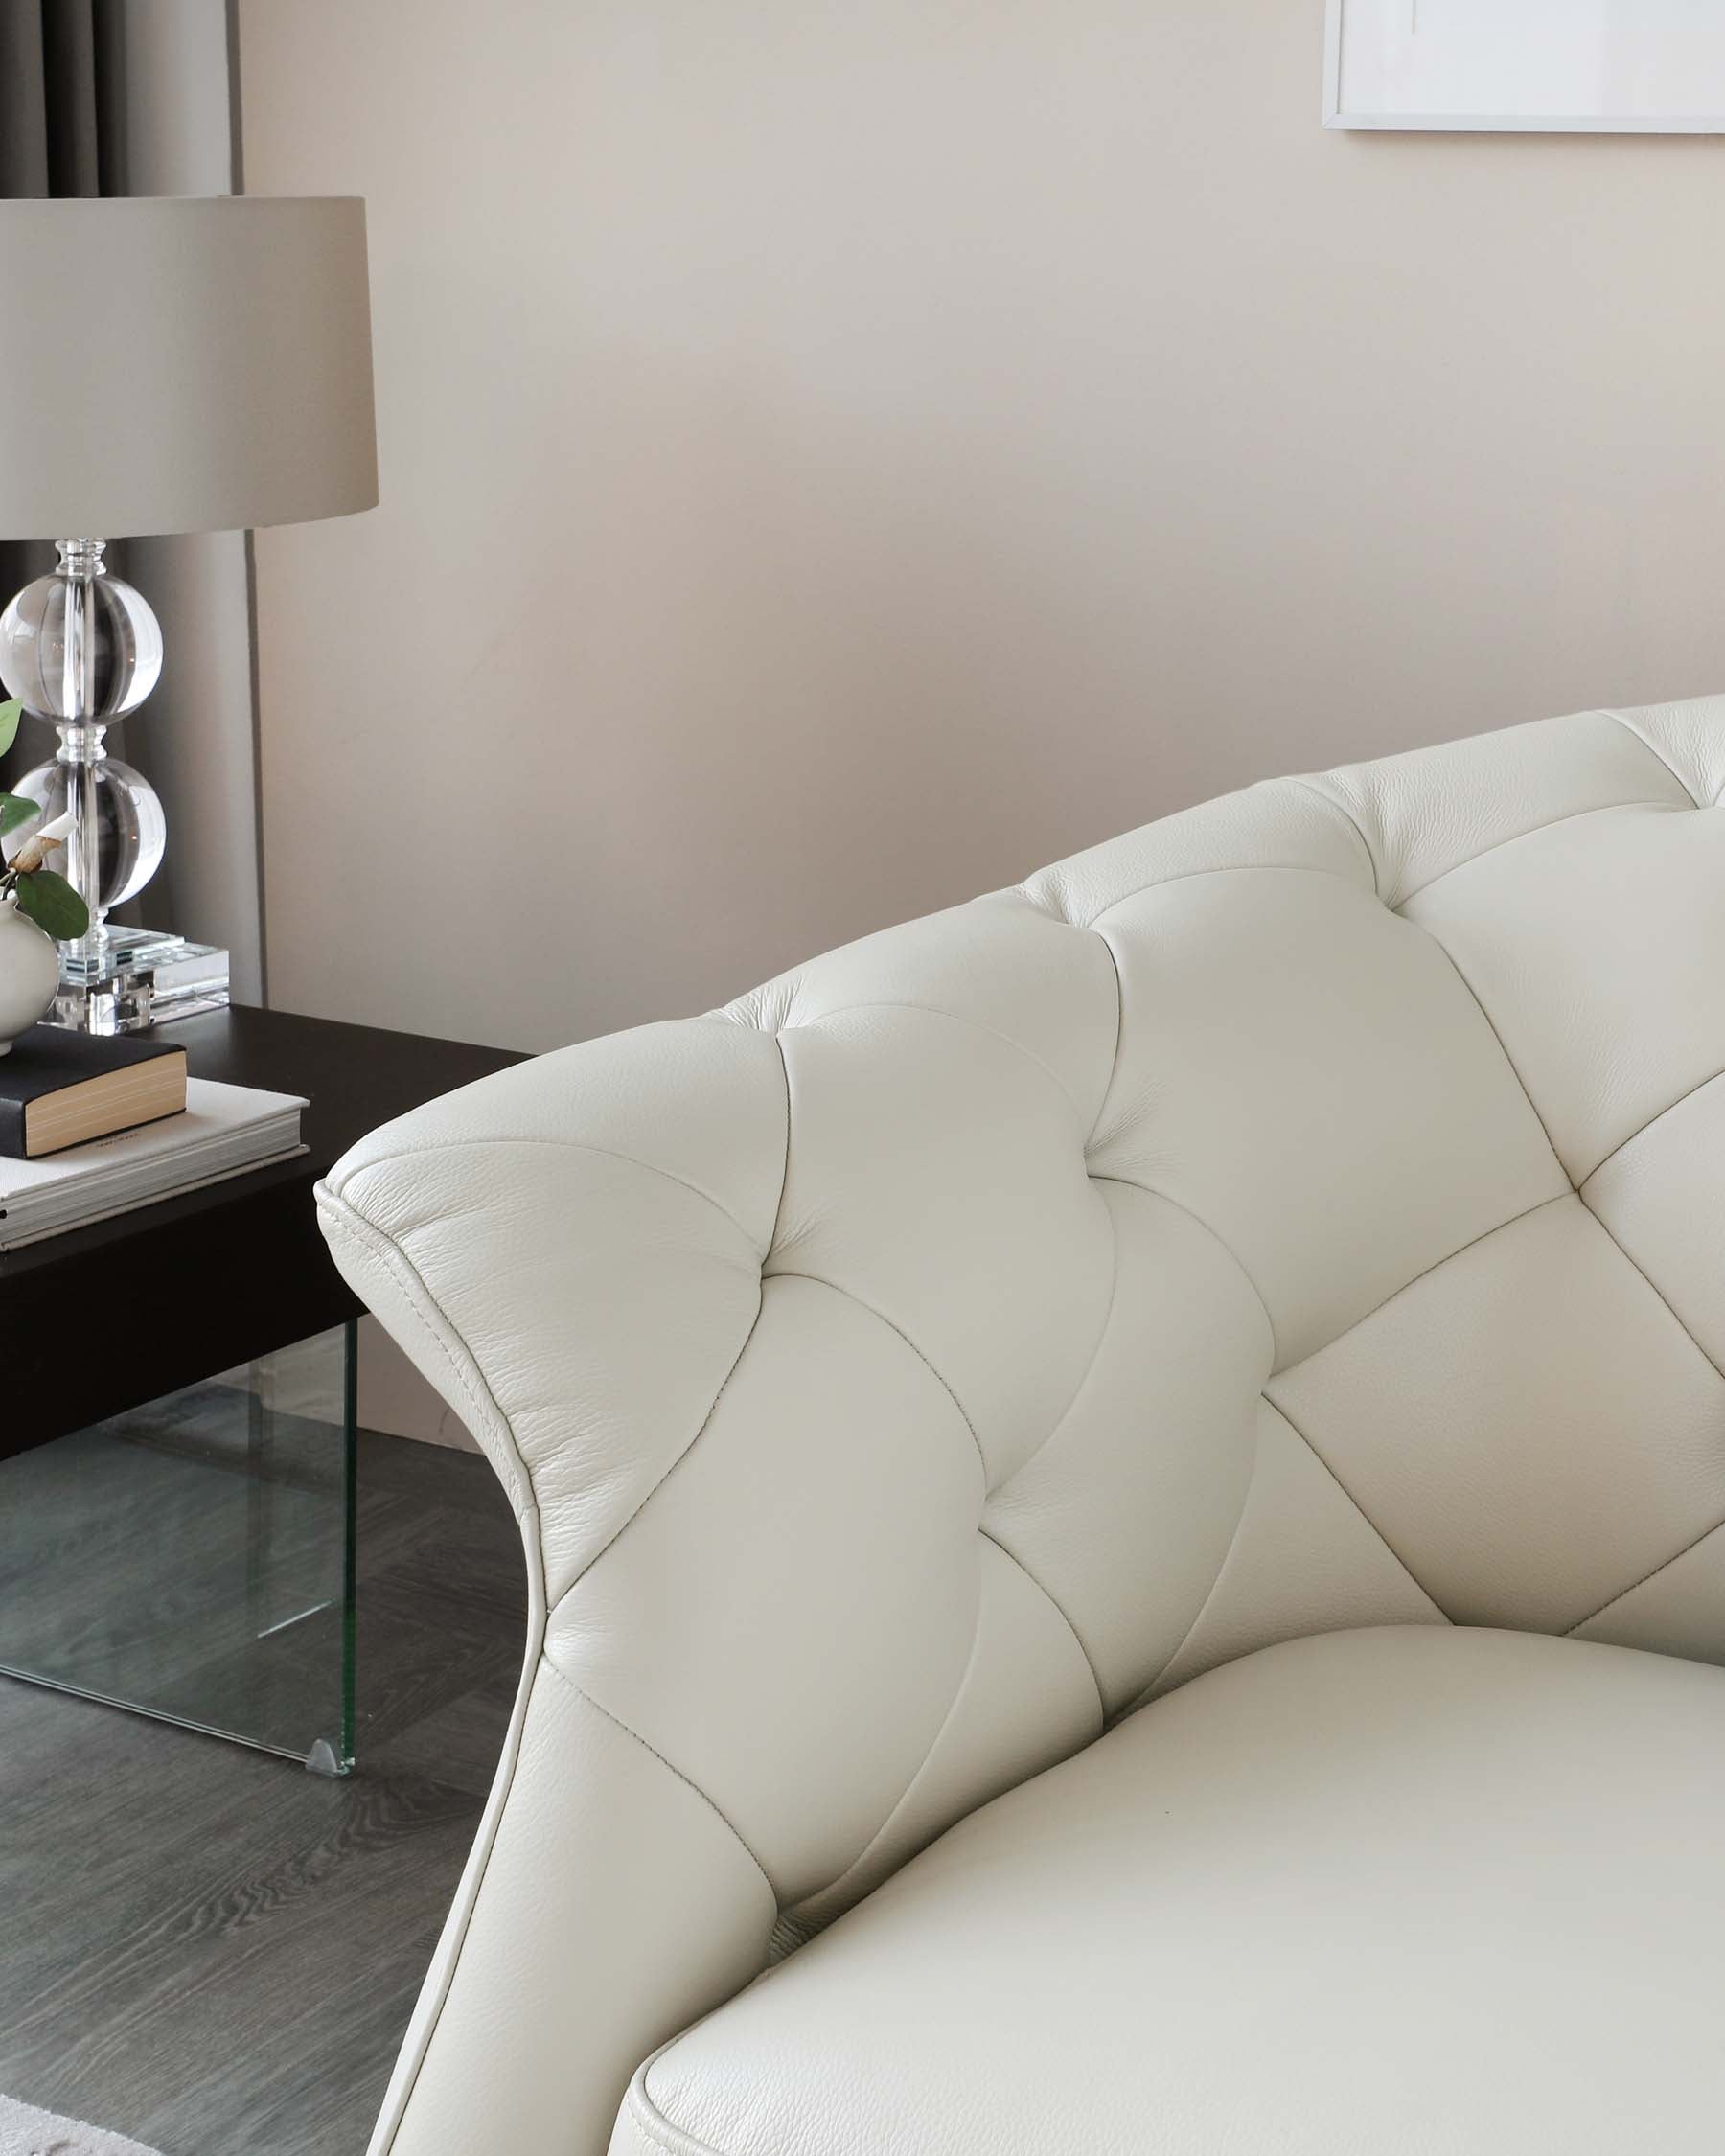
(1525, 66)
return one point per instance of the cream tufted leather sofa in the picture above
(1204, 1369)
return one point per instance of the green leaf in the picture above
(53, 905)
(16, 808)
(10, 715)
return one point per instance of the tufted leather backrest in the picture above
(1278, 1219)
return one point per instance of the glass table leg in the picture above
(194, 1558)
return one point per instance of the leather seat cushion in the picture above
(1421, 1889)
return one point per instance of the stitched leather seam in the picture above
(560, 1145)
(958, 1404)
(660, 2129)
(1700, 1350)
(1113, 1060)
(1090, 1367)
(1533, 830)
(1558, 1198)
(489, 1826)
(1149, 1190)
(1330, 801)
(1561, 1199)
(1228, 868)
(988, 1535)
(1664, 1565)
(371, 1239)
(820, 1281)
(1143, 1696)
(581, 1692)
(1649, 1123)
(494, 1820)
(1275, 1407)
(1657, 1290)
(1224, 868)
(1635, 733)
(958, 1018)
(778, 1210)
(835, 1886)
(1501, 1049)
(367, 1237)
(612, 1541)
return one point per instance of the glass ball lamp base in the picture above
(80, 648)
(129, 830)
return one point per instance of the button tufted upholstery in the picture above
(1290, 1217)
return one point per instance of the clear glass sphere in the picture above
(125, 640)
(131, 831)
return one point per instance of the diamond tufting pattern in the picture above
(1278, 1220)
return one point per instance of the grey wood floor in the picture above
(212, 1950)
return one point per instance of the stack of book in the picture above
(90, 1127)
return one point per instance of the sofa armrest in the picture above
(531, 1256)
(750, 1313)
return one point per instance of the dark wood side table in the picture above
(177, 1491)
(222, 1275)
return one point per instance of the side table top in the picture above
(107, 1317)
(355, 1076)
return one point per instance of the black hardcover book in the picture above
(59, 1089)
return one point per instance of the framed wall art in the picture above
(1579, 66)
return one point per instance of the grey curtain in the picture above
(59, 107)
(63, 131)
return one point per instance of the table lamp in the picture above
(184, 364)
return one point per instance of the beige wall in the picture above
(838, 454)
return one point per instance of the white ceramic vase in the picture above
(29, 972)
